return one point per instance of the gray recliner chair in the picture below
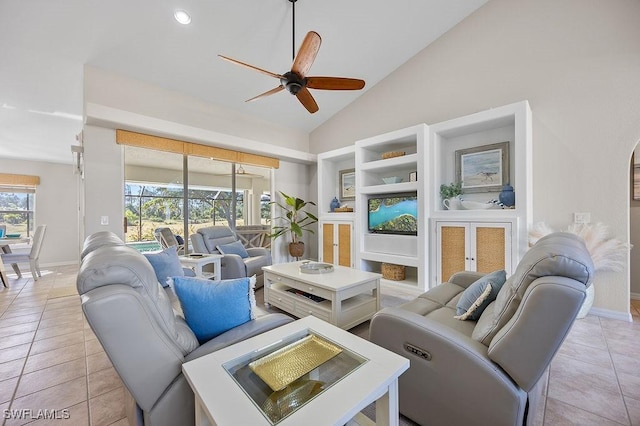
(205, 240)
(487, 372)
(145, 339)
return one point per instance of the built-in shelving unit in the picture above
(509, 123)
(374, 249)
(429, 155)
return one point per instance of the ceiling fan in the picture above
(296, 81)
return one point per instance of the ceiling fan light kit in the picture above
(296, 81)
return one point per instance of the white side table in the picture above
(196, 261)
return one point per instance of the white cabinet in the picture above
(336, 242)
(472, 246)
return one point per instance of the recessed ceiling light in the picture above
(182, 16)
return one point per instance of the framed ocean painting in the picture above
(483, 168)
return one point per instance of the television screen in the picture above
(394, 214)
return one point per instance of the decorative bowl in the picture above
(316, 268)
(474, 205)
(392, 179)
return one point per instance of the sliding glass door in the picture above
(162, 189)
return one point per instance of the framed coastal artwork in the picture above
(347, 179)
(483, 168)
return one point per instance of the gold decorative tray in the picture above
(285, 365)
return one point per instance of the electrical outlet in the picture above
(104, 220)
(581, 217)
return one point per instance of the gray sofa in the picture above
(143, 336)
(205, 240)
(487, 372)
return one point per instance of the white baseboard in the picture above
(635, 296)
(607, 313)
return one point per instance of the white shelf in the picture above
(389, 258)
(390, 164)
(390, 188)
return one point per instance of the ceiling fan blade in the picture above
(307, 53)
(233, 61)
(334, 83)
(270, 92)
(305, 98)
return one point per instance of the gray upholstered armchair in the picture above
(145, 339)
(487, 372)
(206, 240)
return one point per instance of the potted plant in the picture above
(296, 221)
(450, 191)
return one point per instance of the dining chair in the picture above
(31, 258)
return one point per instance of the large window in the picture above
(218, 193)
(16, 209)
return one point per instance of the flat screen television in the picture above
(393, 214)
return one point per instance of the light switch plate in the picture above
(581, 217)
(104, 220)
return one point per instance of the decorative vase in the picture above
(588, 302)
(334, 204)
(296, 249)
(507, 196)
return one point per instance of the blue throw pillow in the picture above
(213, 307)
(478, 295)
(235, 247)
(166, 264)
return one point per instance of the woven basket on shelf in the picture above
(391, 154)
(392, 272)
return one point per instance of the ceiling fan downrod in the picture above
(293, 31)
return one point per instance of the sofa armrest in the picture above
(197, 243)
(465, 278)
(258, 251)
(232, 266)
(455, 382)
(242, 332)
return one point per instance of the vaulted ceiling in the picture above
(45, 44)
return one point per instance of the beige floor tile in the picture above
(93, 346)
(6, 322)
(571, 370)
(56, 342)
(51, 376)
(624, 345)
(66, 310)
(54, 398)
(598, 401)
(14, 352)
(54, 357)
(7, 388)
(630, 385)
(97, 362)
(63, 302)
(17, 339)
(560, 414)
(103, 381)
(60, 320)
(121, 422)
(11, 369)
(629, 363)
(633, 408)
(584, 353)
(57, 330)
(17, 312)
(18, 329)
(107, 408)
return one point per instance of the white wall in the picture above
(103, 181)
(112, 90)
(56, 207)
(578, 64)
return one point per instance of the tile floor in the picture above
(50, 359)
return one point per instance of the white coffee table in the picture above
(350, 296)
(221, 400)
(197, 260)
